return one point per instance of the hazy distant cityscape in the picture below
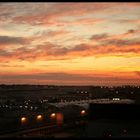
(21, 104)
(53, 93)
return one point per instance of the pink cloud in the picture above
(51, 17)
(49, 51)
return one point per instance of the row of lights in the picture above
(38, 117)
(53, 116)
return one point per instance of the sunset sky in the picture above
(70, 43)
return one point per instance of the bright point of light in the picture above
(83, 112)
(53, 115)
(116, 99)
(39, 117)
(23, 119)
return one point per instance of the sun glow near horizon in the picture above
(70, 43)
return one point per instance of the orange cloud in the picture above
(50, 51)
(106, 37)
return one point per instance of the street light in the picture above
(53, 115)
(83, 112)
(23, 119)
(39, 117)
